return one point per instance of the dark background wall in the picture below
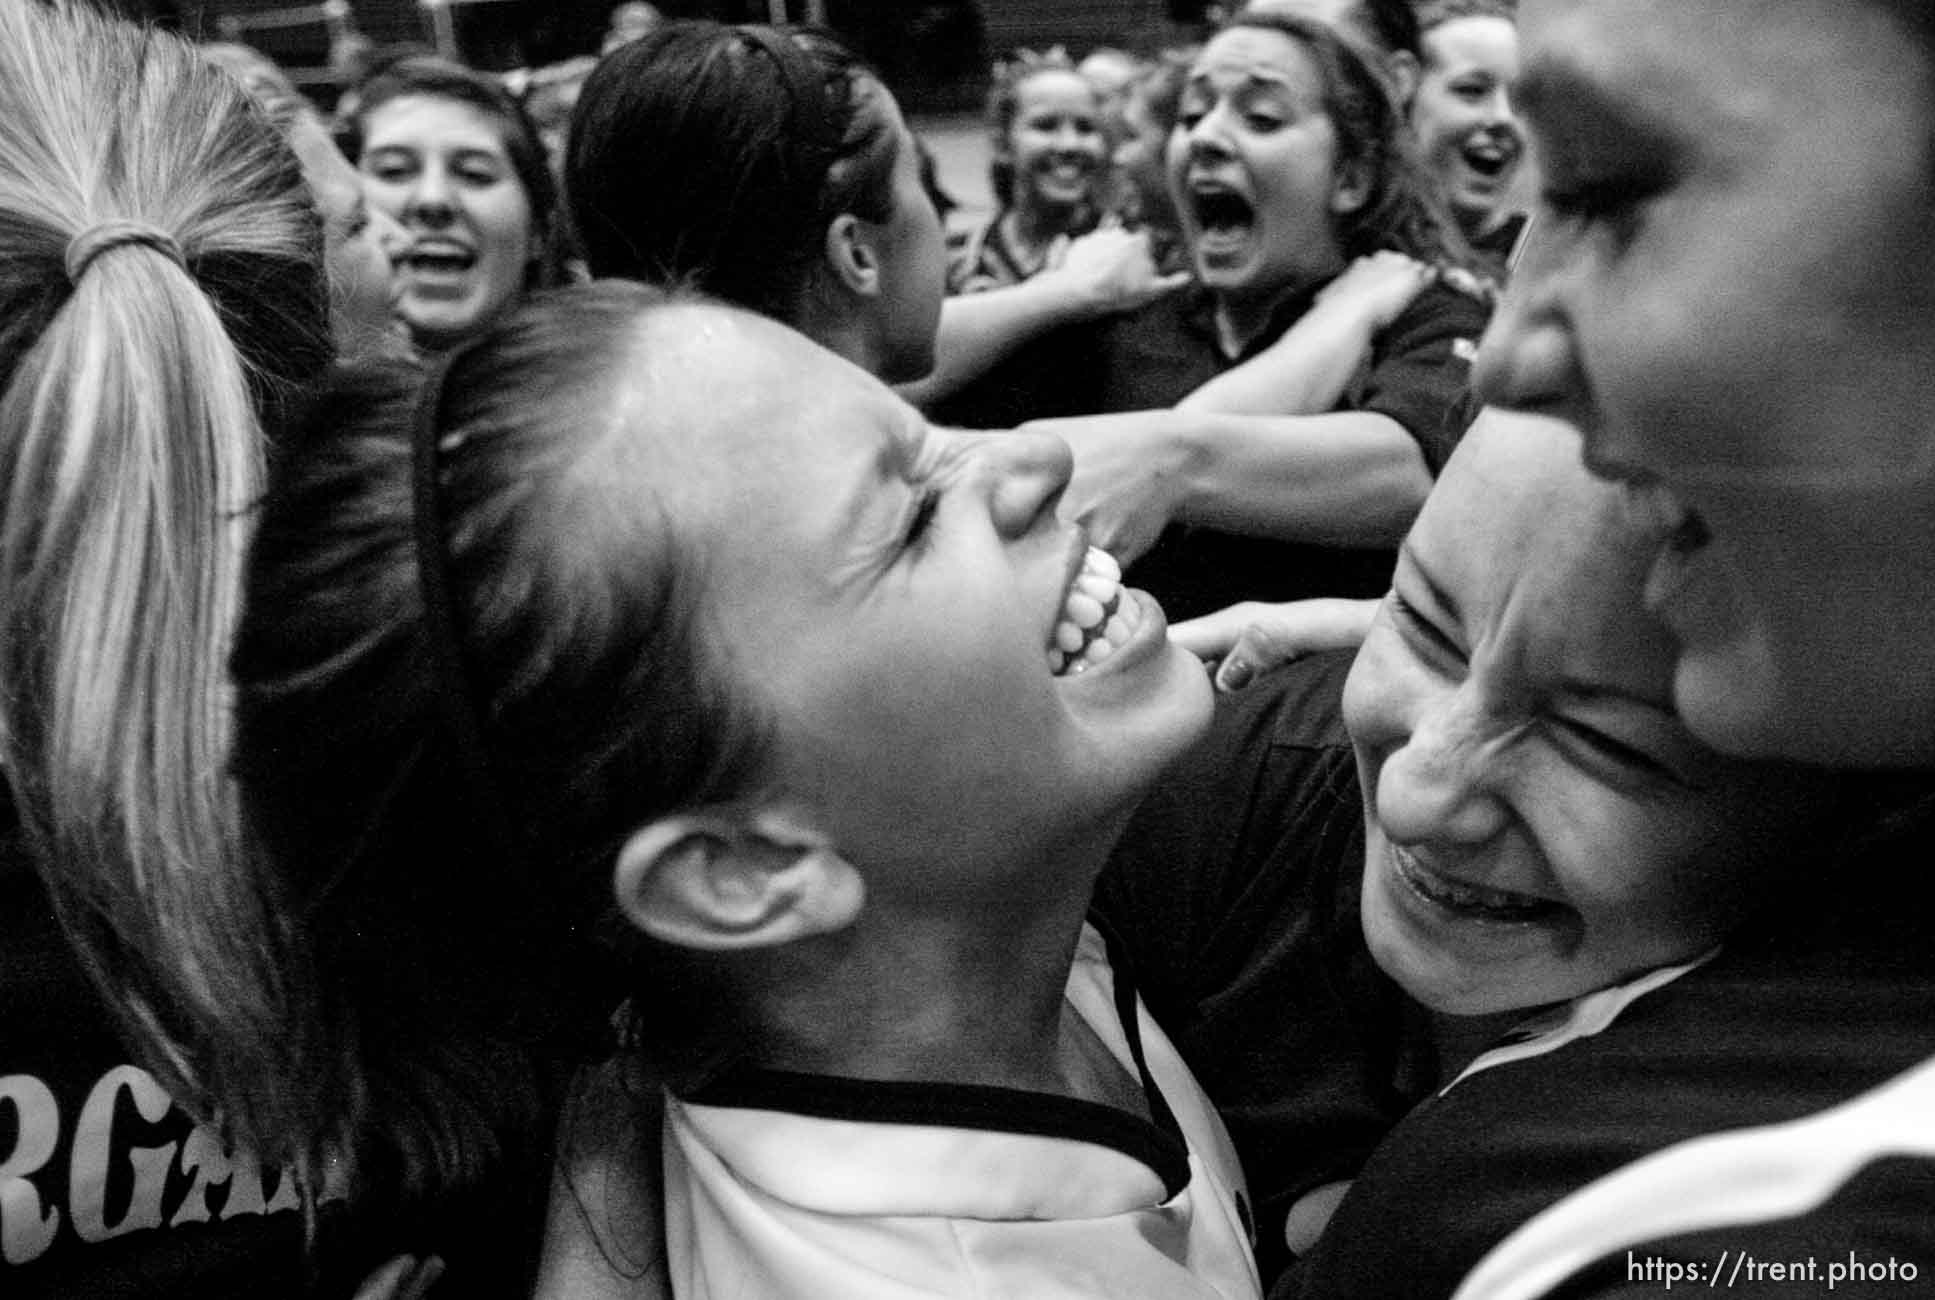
(933, 52)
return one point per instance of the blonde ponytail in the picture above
(132, 448)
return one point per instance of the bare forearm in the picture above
(1354, 478)
(1303, 373)
(979, 329)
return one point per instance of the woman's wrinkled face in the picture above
(1731, 290)
(895, 598)
(359, 242)
(441, 168)
(1057, 143)
(1253, 168)
(1462, 114)
(1539, 823)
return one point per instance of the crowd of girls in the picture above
(588, 791)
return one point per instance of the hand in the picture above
(1255, 637)
(1110, 270)
(404, 1278)
(1129, 477)
(1381, 285)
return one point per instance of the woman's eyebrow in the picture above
(1593, 691)
(1553, 86)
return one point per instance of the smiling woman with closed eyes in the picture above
(733, 692)
(1517, 837)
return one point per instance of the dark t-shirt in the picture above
(1235, 888)
(1418, 374)
(110, 1191)
(106, 1187)
(1799, 1014)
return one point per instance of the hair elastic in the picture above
(118, 232)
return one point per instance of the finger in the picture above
(423, 1279)
(383, 1283)
(1234, 673)
(1260, 648)
(1173, 281)
(1207, 637)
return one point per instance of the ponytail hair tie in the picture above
(117, 232)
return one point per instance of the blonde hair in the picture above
(134, 391)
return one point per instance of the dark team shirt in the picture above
(1815, 1006)
(1235, 888)
(1418, 374)
(106, 1187)
(110, 1191)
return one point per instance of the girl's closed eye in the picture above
(920, 523)
(1416, 625)
(1621, 762)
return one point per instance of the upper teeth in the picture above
(1096, 620)
(1500, 904)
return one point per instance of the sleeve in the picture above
(1420, 370)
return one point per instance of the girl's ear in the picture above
(1405, 75)
(735, 877)
(1351, 189)
(851, 256)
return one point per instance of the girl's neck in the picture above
(1242, 319)
(969, 994)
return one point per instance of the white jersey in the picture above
(796, 1185)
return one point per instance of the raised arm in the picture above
(1106, 271)
(1307, 370)
(1353, 478)
(1347, 478)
